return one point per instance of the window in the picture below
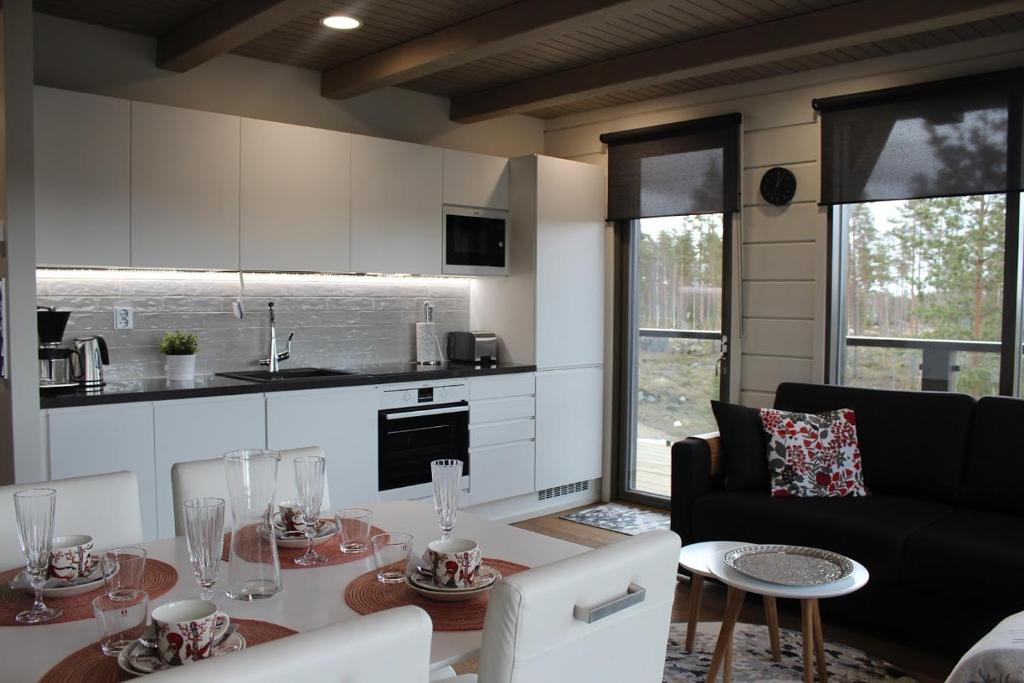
(924, 184)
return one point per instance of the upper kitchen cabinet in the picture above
(396, 207)
(185, 173)
(82, 179)
(478, 180)
(294, 198)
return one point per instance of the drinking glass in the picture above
(254, 571)
(120, 620)
(34, 511)
(123, 569)
(309, 480)
(353, 529)
(447, 478)
(204, 533)
(391, 552)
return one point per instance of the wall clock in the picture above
(778, 185)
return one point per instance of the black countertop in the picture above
(129, 391)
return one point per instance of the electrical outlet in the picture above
(124, 319)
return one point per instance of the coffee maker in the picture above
(54, 359)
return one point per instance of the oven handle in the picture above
(429, 411)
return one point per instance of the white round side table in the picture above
(740, 584)
(695, 558)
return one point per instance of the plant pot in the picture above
(181, 368)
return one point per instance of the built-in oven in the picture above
(475, 241)
(417, 425)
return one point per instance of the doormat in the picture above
(624, 519)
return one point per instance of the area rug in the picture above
(624, 519)
(751, 658)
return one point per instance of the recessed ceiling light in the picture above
(340, 22)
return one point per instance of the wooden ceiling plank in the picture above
(222, 28)
(844, 25)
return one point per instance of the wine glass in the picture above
(309, 480)
(446, 476)
(204, 532)
(34, 511)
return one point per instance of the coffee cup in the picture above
(454, 562)
(187, 630)
(71, 557)
(290, 518)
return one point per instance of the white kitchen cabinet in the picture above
(570, 403)
(185, 188)
(82, 179)
(294, 198)
(501, 433)
(396, 207)
(502, 471)
(343, 422)
(197, 429)
(106, 438)
(479, 180)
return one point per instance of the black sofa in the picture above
(942, 531)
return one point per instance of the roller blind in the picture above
(675, 169)
(946, 138)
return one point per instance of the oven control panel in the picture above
(430, 393)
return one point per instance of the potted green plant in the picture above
(179, 349)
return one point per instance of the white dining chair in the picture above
(104, 506)
(393, 645)
(205, 479)
(600, 617)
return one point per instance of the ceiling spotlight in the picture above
(340, 22)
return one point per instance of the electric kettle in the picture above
(87, 361)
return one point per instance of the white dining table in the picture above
(311, 597)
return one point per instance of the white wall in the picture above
(784, 250)
(77, 56)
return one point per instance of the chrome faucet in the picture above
(274, 358)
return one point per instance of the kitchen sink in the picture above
(281, 375)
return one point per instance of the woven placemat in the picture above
(367, 595)
(159, 578)
(89, 664)
(328, 549)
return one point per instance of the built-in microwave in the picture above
(475, 241)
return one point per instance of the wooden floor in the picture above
(927, 668)
(654, 467)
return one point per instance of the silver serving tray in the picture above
(790, 565)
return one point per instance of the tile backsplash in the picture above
(338, 321)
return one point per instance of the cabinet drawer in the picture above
(501, 472)
(500, 432)
(500, 386)
(501, 409)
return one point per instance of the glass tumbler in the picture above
(391, 552)
(204, 533)
(353, 529)
(120, 620)
(254, 572)
(123, 569)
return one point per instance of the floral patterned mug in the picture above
(187, 630)
(71, 557)
(454, 562)
(289, 517)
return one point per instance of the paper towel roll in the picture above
(428, 349)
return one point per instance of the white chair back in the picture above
(104, 506)
(205, 479)
(393, 645)
(537, 629)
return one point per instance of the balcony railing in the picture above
(938, 356)
(680, 334)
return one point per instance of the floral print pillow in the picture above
(813, 455)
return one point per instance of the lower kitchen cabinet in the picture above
(343, 422)
(107, 438)
(501, 432)
(498, 472)
(200, 428)
(570, 404)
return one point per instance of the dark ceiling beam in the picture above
(504, 29)
(835, 27)
(224, 27)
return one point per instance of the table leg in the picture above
(696, 591)
(727, 667)
(807, 627)
(733, 605)
(819, 645)
(771, 616)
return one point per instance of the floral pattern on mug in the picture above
(71, 562)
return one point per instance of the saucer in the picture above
(485, 580)
(139, 660)
(55, 588)
(295, 539)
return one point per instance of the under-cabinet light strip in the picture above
(232, 276)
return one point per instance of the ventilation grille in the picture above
(563, 490)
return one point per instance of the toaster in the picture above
(473, 347)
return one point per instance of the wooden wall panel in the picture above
(764, 373)
(779, 261)
(779, 300)
(794, 223)
(757, 399)
(773, 337)
(785, 145)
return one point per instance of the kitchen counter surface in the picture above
(159, 389)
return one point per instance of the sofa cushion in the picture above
(744, 447)
(995, 460)
(871, 530)
(974, 553)
(912, 443)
